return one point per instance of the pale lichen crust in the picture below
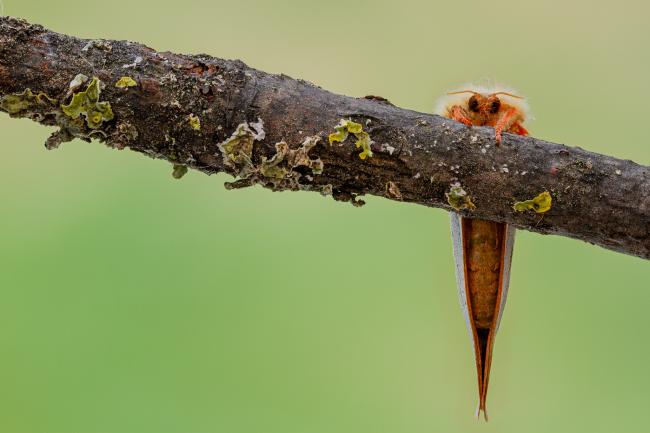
(540, 204)
(392, 190)
(458, 198)
(346, 127)
(87, 103)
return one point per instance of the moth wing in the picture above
(459, 259)
(509, 243)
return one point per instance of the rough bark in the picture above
(185, 109)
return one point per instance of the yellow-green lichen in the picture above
(458, 198)
(125, 82)
(17, 102)
(194, 122)
(346, 127)
(87, 103)
(237, 150)
(271, 168)
(540, 204)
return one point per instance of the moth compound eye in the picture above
(472, 104)
(494, 106)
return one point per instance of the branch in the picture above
(217, 115)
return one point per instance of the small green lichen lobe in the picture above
(194, 122)
(125, 82)
(237, 150)
(346, 127)
(179, 171)
(458, 198)
(540, 204)
(87, 103)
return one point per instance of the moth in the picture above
(483, 249)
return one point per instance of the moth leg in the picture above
(459, 114)
(518, 129)
(504, 123)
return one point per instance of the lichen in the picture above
(78, 81)
(26, 100)
(458, 198)
(281, 165)
(87, 103)
(326, 189)
(179, 171)
(98, 43)
(194, 122)
(346, 127)
(540, 204)
(125, 82)
(258, 127)
(393, 190)
(271, 168)
(237, 150)
(278, 172)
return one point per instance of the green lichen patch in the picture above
(458, 198)
(273, 168)
(125, 82)
(194, 122)
(540, 204)
(237, 150)
(179, 171)
(87, 103)
(346, 127)
(26, 100)
(279, 172)
(282, 164)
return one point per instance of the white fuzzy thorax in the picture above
(447, 101)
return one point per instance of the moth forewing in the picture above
(459, 260)
(473, 280)
(509, 243)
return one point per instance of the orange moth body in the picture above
(483, 249)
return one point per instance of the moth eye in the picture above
(472, 104)
(494, 106)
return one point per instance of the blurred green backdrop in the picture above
(134, 303)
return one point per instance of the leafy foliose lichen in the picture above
(458, 198)
(540, 204)
(125, 82)
(273, 168)
(194, 122)
(87, 103)
(237, 150)
(281, 165)
(26, 100)
(346, 127)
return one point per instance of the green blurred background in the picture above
(134, 303)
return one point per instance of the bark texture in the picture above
(204, 113)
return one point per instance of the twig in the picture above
(216, 115)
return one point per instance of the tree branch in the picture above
(204, 113)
